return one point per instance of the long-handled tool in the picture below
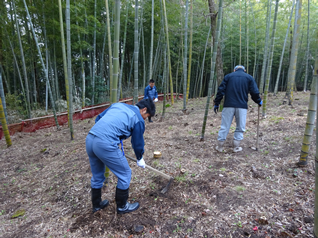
(165, 189)
(257, 129)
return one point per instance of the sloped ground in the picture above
(247, 194)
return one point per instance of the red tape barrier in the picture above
(34, 124)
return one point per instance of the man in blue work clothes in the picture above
(113, 125)
(151, 92)
(235, 87)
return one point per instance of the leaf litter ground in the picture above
(247, 194)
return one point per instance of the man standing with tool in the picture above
(235, 87)
(116, 123)
(151, 92)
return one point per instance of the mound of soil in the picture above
(46, 178)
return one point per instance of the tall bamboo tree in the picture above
(3, 98)
(215, 49)
(269, 66)
(116, 52)
(165, 78)
(66, 77)
(315, 78)
(69, 64)
(185, 57)
(294, 54)
(136, 50)
(110, 64)
(283, 50)
(151, 38)
(203, 61)
(94, 54)
(265, 59)
(4, 125)
(190, 49)
(168, 49)
(23, 64)
(42, 63)
(307, 51)
(18, 71)
(255, 50)
(82, 63)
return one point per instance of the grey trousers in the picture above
(227, 117)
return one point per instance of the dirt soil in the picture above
(45, 177)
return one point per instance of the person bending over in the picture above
(112, 126)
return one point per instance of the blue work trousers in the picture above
(101, 153)
(227, 117)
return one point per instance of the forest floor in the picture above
(45, 180)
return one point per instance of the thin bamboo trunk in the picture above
(177, 94)
(55, 74)
(42, 62)
(283, 51)
(168, 47)
(69, 65)
(151, 38)
(23, 64)
(190, 49)
(94, 53)
(5, 79)
(185, 57)
(65, 65)
(143, 56)
(255, 53)
(4, 125)
(294, 54)
(265, 59)
(116, 52)
(269, 67)
(203, 61)
(315, 79)
(307, 51)
(123, 56)
(165, 79)
(215, 49)
(3, 98)
(136, 52)
(19, 73)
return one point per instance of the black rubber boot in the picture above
(98, 204)
(121, 200)
(149, 119)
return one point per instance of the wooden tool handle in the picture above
(152, 169)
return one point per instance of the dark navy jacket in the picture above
(235, 87)
(151, 92)
(118, 122)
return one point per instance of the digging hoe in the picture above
(165, 189)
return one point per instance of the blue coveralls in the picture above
(116, 123)
(150, 92)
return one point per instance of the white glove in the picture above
(156, 100)
(141, 163)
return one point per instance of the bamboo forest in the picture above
(79, 78)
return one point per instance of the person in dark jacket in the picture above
(112, 126)
(235, 87)
(151, 92)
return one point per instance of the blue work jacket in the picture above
(118, 122)
(235, 87)
(150, 92)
